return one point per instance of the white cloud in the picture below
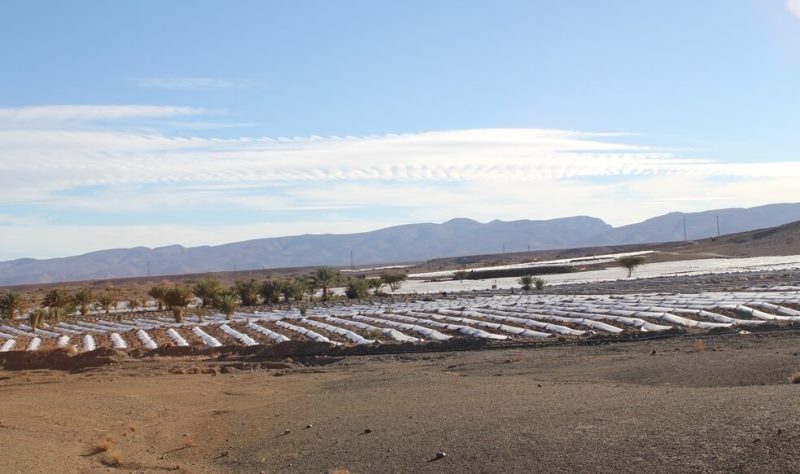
(193, 83)
(794, 7)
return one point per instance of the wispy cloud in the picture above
(192, 83)
(65, 113)
(794, 7)
(316, 183)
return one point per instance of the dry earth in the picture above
(667, 405)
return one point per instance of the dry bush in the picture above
(699, 346)
(133, 426)
(374, 333)
(339, 470)
(188, 442)
(104, 444)
(795, 377)
(113, 458)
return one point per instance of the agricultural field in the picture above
(500, 318)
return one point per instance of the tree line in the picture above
(205, 295)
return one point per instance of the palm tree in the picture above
(207, 290)
(11, 304)
(37, 317)
(310, 285)
(228, 303)
(107, 302)
(325, 278)
(376, 284)
(84, 299)
(158, 292)
(58, 303)
(247, 291)
(270, 290)
(178, 299)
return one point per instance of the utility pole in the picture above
(234, 268)
(351, 260)
(148, 267)
(684, 229)
(504, 248)
(717, 226)
(529, 247)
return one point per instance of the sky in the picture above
(203, 122)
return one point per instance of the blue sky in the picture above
(203, 122)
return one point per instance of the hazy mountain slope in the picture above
(412, 242)
(699, 225)
(400, 243)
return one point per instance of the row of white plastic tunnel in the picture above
(496, 317)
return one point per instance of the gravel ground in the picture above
(647, 406)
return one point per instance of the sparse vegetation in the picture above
(526, 281)
(630, 262)
(699, 346)
(539, 283)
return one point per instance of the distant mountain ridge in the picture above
(410, 242)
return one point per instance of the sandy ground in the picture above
(647, 406)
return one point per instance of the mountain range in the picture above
(404, 243)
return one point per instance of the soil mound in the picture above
(60, 359)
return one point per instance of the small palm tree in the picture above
(58, 303)
(376, 284)
(270, 290)
(310, 285)
(38, 316)
(84, 299)
(107, 302)
(158, 292)
(12, 304)
(228, 303)
(292, 290)
(178, 299)
(133, 303)
(247, 291)
(207, 290)
(357, 288)
(526, 281)
(325, 278)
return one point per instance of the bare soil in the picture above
(667, 405)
